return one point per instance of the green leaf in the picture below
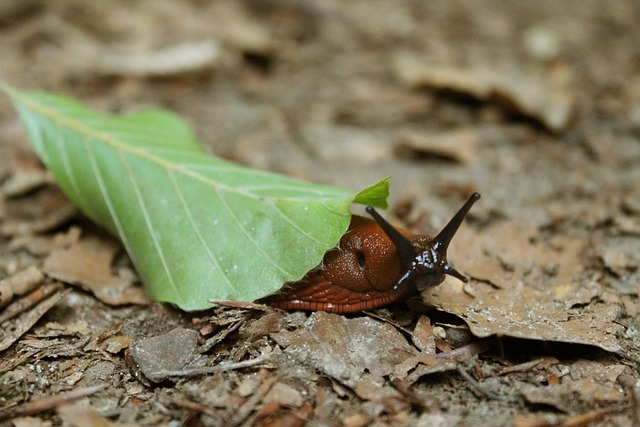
(196, 227)
(375, 195)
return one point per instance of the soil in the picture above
(535, 105)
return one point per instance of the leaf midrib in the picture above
(147, 153)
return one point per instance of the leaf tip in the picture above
(375, 195)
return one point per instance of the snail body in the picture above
(374, 265)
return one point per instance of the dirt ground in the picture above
(536, 105)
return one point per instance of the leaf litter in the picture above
(541, 294)
(95, 272)
(555, 295)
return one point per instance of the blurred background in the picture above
(533, 104)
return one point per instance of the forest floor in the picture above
(535, 105)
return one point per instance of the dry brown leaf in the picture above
(360, 352)
(629, 225)
(44, 211)
(507, 252)
(41, 245)
(459, 145)
(81, 415)
(264, 325)
(530, 290)
(25, 180)
(521, 311)
(244, 32)
(285, 395)
(621, 256)
(185, 58)
(587, 380)
(116, 344)
(414, 367)
(543, 94)
(345, 349)
(87, 263)
(423, 336)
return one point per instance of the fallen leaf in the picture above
(423, 336)
(116, 344)
(621, 255)
(43, 211)
(345, 349)
(521, 311)
(413, 368)
(24, 180)
(185, 58)
(459, 144)
(508, 251)
(284, 394)
(20, 283)
(543, 94)
(80, 415)
(87, 263)
(264, 325)
(73, 370)
(518, 294)
(587, 381)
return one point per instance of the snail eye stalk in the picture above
(433, 259)
(449, 230)
(404, 246)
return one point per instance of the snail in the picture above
(374, 265)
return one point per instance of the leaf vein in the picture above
(66, 164)
(196, 229)
(247, 234)
(147, 220)
(107, 198)
(296, 226)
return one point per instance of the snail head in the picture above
(425, 260)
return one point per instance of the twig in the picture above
(389, 321)
(194, 372)
(191, 406)
(217, 338)
(580, 420)
(240, 304)
(629, 382)
(30, 300)
(482, 389)
(30, 318)
(243, 411)
(466, 351)
(587, 417)
(51, 402)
